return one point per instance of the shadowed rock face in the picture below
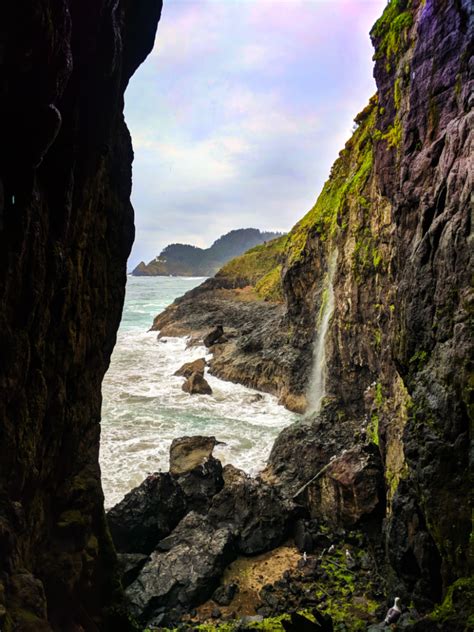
(399, 348)
(66, 229)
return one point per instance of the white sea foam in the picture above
(144, 407)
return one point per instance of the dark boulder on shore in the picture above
(184, 572)
(198, 473)
(255, 511)
(147, 514)
(196, 384)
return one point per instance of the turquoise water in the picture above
(144, 408)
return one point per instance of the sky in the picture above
(239, 112)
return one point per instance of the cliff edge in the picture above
(66, 229)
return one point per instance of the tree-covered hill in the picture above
(187, 260)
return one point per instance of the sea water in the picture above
(144, 407)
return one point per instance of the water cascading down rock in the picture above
(317, 380)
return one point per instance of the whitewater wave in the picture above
(144, 409)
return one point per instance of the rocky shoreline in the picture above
(179, 533)
(245, 352)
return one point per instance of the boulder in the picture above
(197, 472)
(201, 484)
(196, 384)
(213, 336)
(188, 368)
(130, 566)
(188, 453)
(349, 488)
(184, 572)
(254, 510)
(147, 514)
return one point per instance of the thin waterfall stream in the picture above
(317, 383)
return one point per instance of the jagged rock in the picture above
(303, 449)
(197, 385)
(213, 336)
(130, 566)
(188, 453)
(253, 509)
(224, 594)
(188, 368)
(185, 571)
(349, 488)
(201, 484)
(147, 514)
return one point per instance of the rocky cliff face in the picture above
(66, 228)
(398, 209)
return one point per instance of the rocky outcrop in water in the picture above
(66, 229)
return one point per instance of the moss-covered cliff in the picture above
(66, 228)
(397, 208)
(397, 211)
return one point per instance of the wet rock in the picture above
(130, 566)
(188, 368)
(185, 571)
(147, 514)
(224, 594)
(213, 336)
(303, 449)
(254, 510)
(196, 384)
(349, 488)
(201, 484)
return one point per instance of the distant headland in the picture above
(187, 260)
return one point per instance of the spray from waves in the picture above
(144, 407)
(317, 384)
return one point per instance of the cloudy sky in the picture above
(239, 112)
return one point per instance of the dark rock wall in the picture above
(66, 229)
(399, 348)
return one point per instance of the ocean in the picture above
(144, 408)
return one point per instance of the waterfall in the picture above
(317, 383)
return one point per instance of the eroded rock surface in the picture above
(183, 572)
(66, 229)
(147, 514)
(196, 384)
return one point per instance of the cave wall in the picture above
(66, 229)
(398, 206)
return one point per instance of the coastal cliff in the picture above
(66, 229)
(396, 214)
